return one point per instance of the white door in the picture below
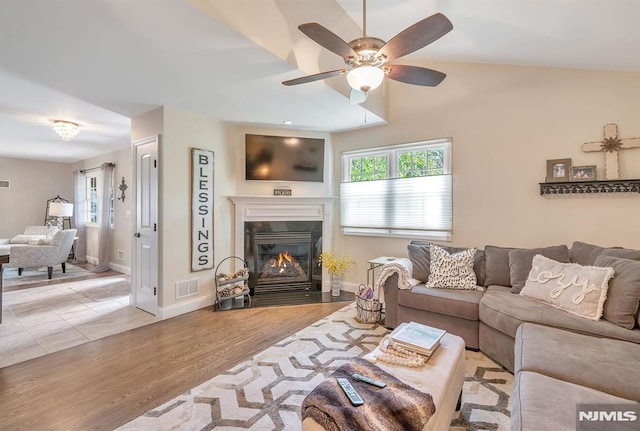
(146, 231)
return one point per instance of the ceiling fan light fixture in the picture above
(365, 78)
(67, 130)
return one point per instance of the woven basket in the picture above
(368, 310)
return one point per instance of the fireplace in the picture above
(282, 256)
(277, 214)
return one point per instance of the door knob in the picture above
(137, 234)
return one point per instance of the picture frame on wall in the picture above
(584, 173)
(558, 170)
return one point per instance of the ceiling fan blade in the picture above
(314, 77)
(357, 97)
(415, 75)
(417, 36)
(327, 39)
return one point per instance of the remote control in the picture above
(351, 393)
(369, 380)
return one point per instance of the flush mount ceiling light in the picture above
(67, 130)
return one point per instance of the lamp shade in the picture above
(365, 78)
(60, 209)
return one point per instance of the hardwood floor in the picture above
(106, 383)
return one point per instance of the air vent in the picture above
(187, 288)
(5, 184)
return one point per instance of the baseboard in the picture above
(185, 307)
(120, 268)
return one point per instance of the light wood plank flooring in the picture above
(106, 383)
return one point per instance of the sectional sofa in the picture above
(578, 357)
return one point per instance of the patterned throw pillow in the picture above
(452, 271)
(576, 289)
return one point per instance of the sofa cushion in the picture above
(596, 358)
(576, 289)
(584, 253)
(450, 302)
(451, 271)
(418, 253)
(623, 297)
(25, 239)
(625, 253)
(520, 262)
(504, 312)
(540, 402)
(497, 265)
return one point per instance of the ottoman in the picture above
(442, 377)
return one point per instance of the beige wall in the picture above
(32, 184)
(121, 234)
(506, 121)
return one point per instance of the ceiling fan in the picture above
(367, 58)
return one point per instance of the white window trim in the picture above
(393, 152)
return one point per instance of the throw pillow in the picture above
(497, 265)
(43, 241)
(583, 253)
(520, 262)
(576, 289)
(452, 271)
(420, 257)
(623, 298)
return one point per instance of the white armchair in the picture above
(36, 256)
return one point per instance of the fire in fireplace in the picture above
(280, 261)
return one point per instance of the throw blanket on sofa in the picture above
(404, 268)
(396, 407)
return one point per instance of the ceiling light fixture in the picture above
(67, 130)
(365, 78)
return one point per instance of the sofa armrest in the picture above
(390, 287)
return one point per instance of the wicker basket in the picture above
(368, 310)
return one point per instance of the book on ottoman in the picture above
(417, 337)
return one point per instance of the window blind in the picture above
(411, 206)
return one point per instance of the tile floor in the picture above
(41, 320)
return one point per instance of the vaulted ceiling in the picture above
(102, 62)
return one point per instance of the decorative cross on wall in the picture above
(611, 145)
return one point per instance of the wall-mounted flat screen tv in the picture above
(282, 158)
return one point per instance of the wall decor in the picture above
(202, 164)
(611, 145)
(122, 187)
(584, 173)
(282, 192)
(558, 170)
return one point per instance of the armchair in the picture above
(42, 254)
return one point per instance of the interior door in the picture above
(146, 232)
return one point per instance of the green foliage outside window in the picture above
(421, 163)
(369, 168)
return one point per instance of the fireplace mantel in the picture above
(283, 208)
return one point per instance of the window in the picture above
(401, 190)
(93, 200)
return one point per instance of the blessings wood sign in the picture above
(202, 210)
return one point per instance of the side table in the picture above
(376, 263)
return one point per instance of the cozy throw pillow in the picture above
(576, 289)
(418, 252)
(497, 265)
(623, 298)
(520, 262)
(452, 271)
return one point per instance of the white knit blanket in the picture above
(401, 266)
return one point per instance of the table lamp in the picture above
(60, 210)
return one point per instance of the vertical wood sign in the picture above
(201, 209)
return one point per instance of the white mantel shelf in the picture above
(283, 208)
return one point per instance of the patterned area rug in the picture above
(266, 391)
(10, 277)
